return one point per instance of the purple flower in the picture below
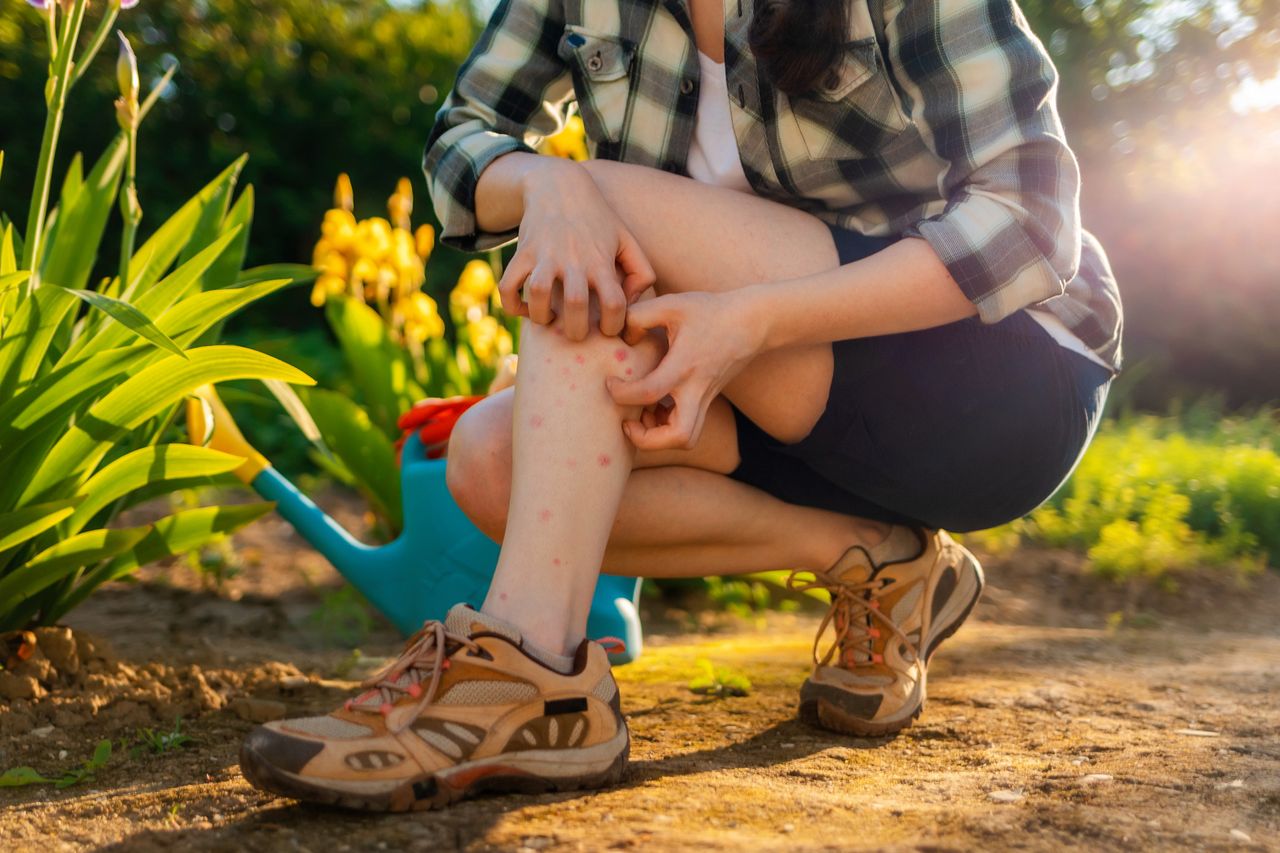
(39, 4)
(124, 4)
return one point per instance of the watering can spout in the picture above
(210, 424)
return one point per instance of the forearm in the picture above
(900, 289)
(506, 183)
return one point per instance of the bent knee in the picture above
(478, 464)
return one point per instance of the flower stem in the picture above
(59, 81)
(130, 210)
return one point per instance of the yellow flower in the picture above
(425, 240)
(331, 262)
(339, 229)
(473, 287)
(325, 287)
(343, 196)
(373, 238)
(400, 205)
(422, 320)
(488, 337)
(569, 142)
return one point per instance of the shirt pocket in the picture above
(854, 111)
(600, 64)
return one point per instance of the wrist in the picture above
(550, 175)
(751, 307)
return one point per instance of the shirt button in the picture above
(686, 86)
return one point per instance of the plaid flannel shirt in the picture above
(939, 122)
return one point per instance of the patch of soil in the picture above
(1046, 726)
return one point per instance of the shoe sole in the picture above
(825, 715)
(527, 772)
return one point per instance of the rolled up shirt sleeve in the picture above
(981, 89)
(510, 92)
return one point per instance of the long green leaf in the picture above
(29, 522)
(175, 534)
(49, 401)
(362, 446)
(59, 561)
(381, 367)
(164, 246)
(26, 337)
(148, 465)
(143, 396)
(296, 273)
(73, 242)
(129, 317)
(223, 271)
(157, 299)
(209, 227)
(8, 251)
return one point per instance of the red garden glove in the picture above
(434, 418)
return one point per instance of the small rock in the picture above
(787, 745)
(294, 682)
(1241, 836)
(1197, 733)
(1004, 795)
(1234, 783)
(1095, 778)
(788, 827)
(43, 731)
(59, 646)
(257, 710)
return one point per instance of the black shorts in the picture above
(964, 426)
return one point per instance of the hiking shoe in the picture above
(464, 709)
(889, 619)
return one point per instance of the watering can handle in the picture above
(209, 424)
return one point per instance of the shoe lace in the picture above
(425, 658)
(855, 614)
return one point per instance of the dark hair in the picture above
(799, 42)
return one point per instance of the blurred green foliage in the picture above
(1155, 496)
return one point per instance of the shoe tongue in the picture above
(462, 619)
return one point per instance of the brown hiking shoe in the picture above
(889, 620)
(464, 709)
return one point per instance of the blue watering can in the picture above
(438, 560)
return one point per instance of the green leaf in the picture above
(130, 317)
(295, 273)
(362, 447)
(175, 534)
(28, 334)
(74, 239)
(223, 271)
(164, 246)
(209, 226)
(101, 755)
(16, 777)
(8, 252)
(59, 561)
(147, 466)
(144, 395)
(380, 367)
(30, 521)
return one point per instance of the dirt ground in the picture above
(1046, 727)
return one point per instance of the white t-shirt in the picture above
(713, 159)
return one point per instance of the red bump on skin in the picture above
(556, 561)
(620, 354)
(545, 515)
(535, 421)
(629, 371)
(604, 460)
(571, 463)
(573, 386)
(580, 359)
(502, 596)
(547, 360)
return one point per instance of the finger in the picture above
(637, 273)
(650, 389)
(512, 282)
(613, 305)
(576, 296)
(680, 431)
(538, 294)
(643, 316)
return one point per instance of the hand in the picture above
(710, 339)
(571, 236)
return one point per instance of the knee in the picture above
(478, 471)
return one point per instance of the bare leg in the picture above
(679, 516)
(561, 515)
